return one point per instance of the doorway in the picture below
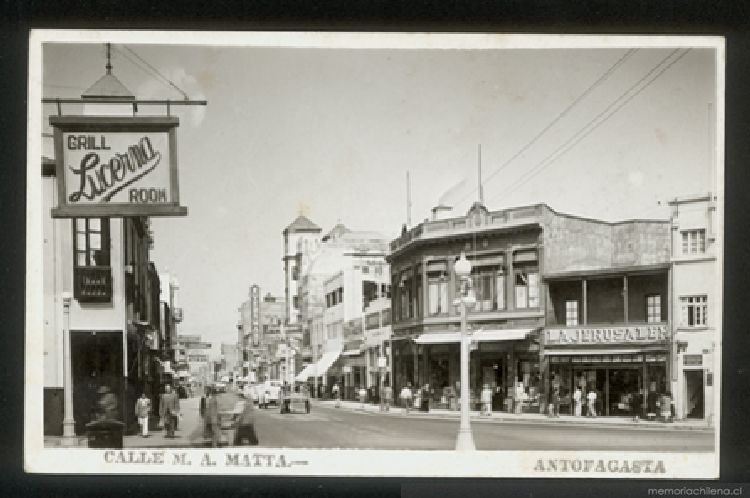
(96, 362)
(694, 400)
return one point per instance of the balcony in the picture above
(92, 284)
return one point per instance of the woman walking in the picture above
(405, 397)
(142, 411)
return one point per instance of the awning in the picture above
(325, 362)
(494, 335)
(594, 352)
(306, 373)
(352, 352)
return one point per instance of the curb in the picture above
(495, 420)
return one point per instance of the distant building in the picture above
(300, 231)
(339, 276)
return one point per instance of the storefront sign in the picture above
(642, 334)
(692, 360)
(116, 166)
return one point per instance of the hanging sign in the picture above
(116, 166)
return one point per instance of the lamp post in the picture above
(69, 425)
(462, 268)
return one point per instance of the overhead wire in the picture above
(601, 79)
(593, 124)
(155, 72)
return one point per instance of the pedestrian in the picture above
(577, 399)
(169, 409)
(212, 418)
(142, 411)
(202, 411)
(553, 402)
(637, 405)
(246, 426)
(336, 391)
(106, 404)
(486, 401)
(666, 406)
(362, 397)
(591, 398)
(425, 398)
(520, 394)
(385, 397)
(405, 396)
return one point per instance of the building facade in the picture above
(696, 305)
(297, 235)
(340, 276)
(101, 286)
(544, 282)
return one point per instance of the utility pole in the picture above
(408, 201)
(479, 174)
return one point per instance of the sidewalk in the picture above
(526, 418)
(189, 432)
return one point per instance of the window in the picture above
(385, 290)
(571, 313)
(527, 289)
(693, 241)
(489, 288)
(693, 311)
(369, 293)
(437, 293)
(92, 277)
(91, 243)
(653, 308)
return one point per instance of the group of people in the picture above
(169, 411)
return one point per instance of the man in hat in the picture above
(169, 409)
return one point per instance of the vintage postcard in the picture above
(371, 254)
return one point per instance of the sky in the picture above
(331, 133)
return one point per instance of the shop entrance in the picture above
(694, 402)
(615, 388)
(96, 363)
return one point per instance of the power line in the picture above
(605, 76)
(593, 125)
(157, 72)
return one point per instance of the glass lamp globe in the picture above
(462, 266)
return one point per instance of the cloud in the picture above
(156, 88)
(451, 194)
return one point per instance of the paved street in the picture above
(329, 427)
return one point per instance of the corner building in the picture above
(544, 282)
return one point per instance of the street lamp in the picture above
(462, 268)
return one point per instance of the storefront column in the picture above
(510, 289)
(69, 424)
(368, 383)
(415, 352)
(584, 290)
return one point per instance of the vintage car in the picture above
(269, 393)
(295, 401)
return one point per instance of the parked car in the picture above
(270, 393)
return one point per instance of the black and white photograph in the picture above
(374, 254)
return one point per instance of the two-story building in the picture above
(696, 304)
(557, 298)
(607, 312)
